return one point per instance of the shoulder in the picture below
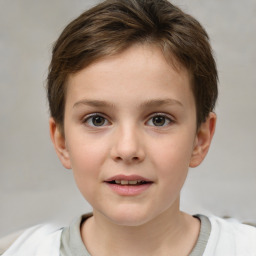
(7, 241)
(230, 237)
(37, 240)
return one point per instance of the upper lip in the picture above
(127, 177)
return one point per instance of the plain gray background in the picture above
(34, 187)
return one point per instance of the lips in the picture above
(128, 185)
(128, 180)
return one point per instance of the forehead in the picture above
(141, 71)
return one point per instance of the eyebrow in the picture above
(161, 102)
(94, 103)
(147, 104)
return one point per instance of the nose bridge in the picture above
(128, 143)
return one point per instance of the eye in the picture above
(96, 120)
(159, 120)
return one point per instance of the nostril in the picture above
(129, 156)
(135, 158)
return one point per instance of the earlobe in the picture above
(59, 143)
(203, 140)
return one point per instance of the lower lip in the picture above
(129, 190)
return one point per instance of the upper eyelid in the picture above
(94, 114)
(162, 114)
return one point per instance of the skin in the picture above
(128, 91)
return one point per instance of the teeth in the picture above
(133, 182)
(128, 182)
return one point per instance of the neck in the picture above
(171, 233)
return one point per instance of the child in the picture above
(132, 87)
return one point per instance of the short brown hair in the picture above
(114, 25)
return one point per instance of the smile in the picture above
(129, 182)
(131, 185)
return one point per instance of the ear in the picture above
(59, 143)
(203, 140)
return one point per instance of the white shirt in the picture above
(227, 238)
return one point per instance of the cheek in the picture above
(172, 157)
(86, 157)
(85, 152)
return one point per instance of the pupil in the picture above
(98, 120)
(159, 120)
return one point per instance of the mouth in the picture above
(131, 185)
(129, 182)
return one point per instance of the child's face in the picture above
(127, 118)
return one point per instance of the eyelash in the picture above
(167, 120)
(90, 117)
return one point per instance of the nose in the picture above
(128, 145)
